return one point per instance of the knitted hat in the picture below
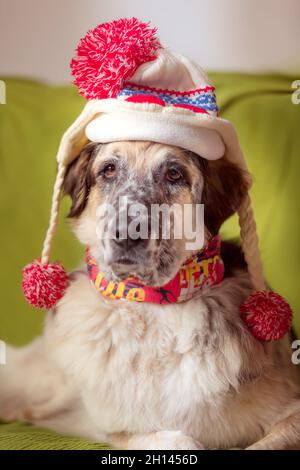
(138, 90)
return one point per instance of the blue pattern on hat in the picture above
(202, 98)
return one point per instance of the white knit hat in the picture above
(138, 90)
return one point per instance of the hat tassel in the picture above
(267, 314)
(44, 283)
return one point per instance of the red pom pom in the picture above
(44, 284)
(267, 315)
(110, 54)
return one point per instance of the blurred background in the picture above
(38, 37)
(251, 49)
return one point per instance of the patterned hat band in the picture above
(202, 100)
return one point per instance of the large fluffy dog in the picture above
(149, 376)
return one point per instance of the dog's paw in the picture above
(11, 409)
(168, 440)
(41, 406)
(16, 409)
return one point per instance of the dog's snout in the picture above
(129, 243)
(130, 230)
(127, 239)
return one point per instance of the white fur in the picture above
(147, 376)
(140, 369)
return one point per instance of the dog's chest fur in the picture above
(145, 367)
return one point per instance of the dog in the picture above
(148, 376)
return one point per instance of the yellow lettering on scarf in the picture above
(216, 258)
(204, 265)
(136, 293)
(98, 280)
(184, 274)
(110, 287)
(120, 290)
(108, 291)
(193, 269)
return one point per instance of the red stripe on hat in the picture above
(195, 109)
(145, 99)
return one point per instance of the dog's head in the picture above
(107, 180)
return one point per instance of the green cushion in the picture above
(19, 436)
(31, 125)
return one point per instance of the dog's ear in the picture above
(79, 179)
(225, 186)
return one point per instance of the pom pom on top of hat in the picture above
(110, 54)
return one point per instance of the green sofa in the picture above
(31, 123)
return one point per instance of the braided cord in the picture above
(54, 212)
(250, 244)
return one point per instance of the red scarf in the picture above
(202, 270)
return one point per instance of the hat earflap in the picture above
(267, 314)
(44, 283)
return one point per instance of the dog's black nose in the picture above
(129, 243)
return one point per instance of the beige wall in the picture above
(38, 37)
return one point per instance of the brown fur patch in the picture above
(79, 179)
(233, 258)
(225, 186)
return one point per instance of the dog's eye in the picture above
(109, 170)
(173, 175)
